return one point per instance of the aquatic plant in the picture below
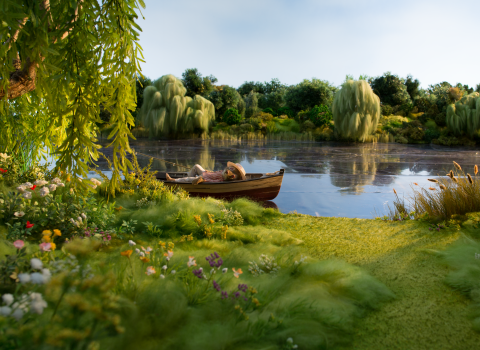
(356, 110)
(166, 110)
(464, 115)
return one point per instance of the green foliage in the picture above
(225, 97)
(356, 110)
(251, 104)
(141, 83)
(196, 84)
(464, 116)
(285, 111)
(391, 89)
(269, 110)
(308, 94)
(168, 112)
(386, 109)
(320, 115)
(79, 67)
(412, 87)
(232, 116)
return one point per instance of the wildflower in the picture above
(148, 250)
(4, 156)
(45, 247)
(61, 185)
(191, 262)
(255, 301)
(57, 233)
(47, 233)
(198, 273)
(161, 244)
(150, 271)
(132, 242)
(24, 277)
(237, 273)
(18, 314)
(56, 181)
(144, 259)
(224, 270)
(210, 218)
(21, 188)
(394, 191)
(5, 310)
(52, 187)
(119, 208)
(174, 272)
(37, 278)
(46, 275)
(457, 166)
(162, 276)
(168, 254)
(224, 295)
(475, 169)
(36, 264)
(7, 298)
(46, 239)
(197, 219)
(431, 188)
(95, 182)
(33, 187)
(27, 184)
(29, 225)
(290, 341)
(141, 254)
(27, 195)
(127, 253)
(53, 246)
(79, 219)
(44, 191)
(37, 304)
(216, 286)
(18, 244)
(83, 216)
(4, 171)
(137, 251)
(470, 178)
(242, 287)
(433, 180)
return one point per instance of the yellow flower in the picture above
(47, 233)
(197, 219)
(57, 233)
(53, 246)
(144, 259)
(127, 253)
(46, 239)
(210, 218)
(161, 244)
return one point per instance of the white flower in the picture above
(40, 182)
(96, 182)
(84, 216)
(137, 251)
(162, 276)
(164, 267)
(212, 271)
(37, 303)
(52, 187)
(61, 185)
(37, 278)
(18, 314)
(7, 299)
(149, 249)
(79, 219)
(5, 310)
(44, 191)
(191, 261)
(56, 181)
(142, 254)
(24, 277)
(224, 270)
(46, 275)
(27, 195)
(21, 188)
(19, 214)
(4, 156)
(290, 340)
(27, 184)
(132, 242)
(94, 186)
(36, 264)
(174, 272)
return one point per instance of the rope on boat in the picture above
(163, 160)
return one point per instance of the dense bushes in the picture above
(231, 116)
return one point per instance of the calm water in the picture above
(323, 179)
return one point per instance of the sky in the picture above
(292, 40)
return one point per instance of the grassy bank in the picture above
(427, 313)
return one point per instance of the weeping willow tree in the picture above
(464, 115)
(356, 110)
(166, 111)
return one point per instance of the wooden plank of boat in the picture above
(257, 186)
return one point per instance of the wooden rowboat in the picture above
(257, 186)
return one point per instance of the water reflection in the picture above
(326, 179)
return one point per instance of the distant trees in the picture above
(308, 94)
(196, 84)
(225, 97)
(391, 89)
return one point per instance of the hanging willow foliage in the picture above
(464, 116)
(166, 111)
(356, 110)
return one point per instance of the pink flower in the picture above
(150, 270)
(18, 244)
(45, 247)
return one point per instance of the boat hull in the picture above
(258, 187)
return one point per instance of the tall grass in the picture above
(457, 193)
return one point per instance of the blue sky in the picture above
(258, 40)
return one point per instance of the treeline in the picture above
(421, 114)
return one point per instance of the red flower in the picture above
(3, 170)
(29, 225)
(33, 188)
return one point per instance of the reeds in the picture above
(457, 193)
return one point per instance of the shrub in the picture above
(391, 89)
(286, 111)
(232, 116)
(386, 109)
(269, 110)
(320, 115)
(308, 93)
